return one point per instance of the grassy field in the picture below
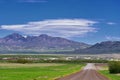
(40, 71)
(104, 70)
(110, 76)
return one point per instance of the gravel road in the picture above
(88, 73)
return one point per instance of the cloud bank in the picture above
(111, 23)
(55, 27)
(113, 38)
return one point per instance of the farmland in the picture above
(36, 71)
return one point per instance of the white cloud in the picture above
(113, 38)
(55, 27)
(111, 23)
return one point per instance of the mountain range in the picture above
(103, 47)
(15, 43)
(42, 43)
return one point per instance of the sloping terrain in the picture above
(16, 42)
(103, 47)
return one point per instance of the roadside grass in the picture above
(110, 76)
(41, 71)
(104, 69)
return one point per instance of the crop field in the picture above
(36, 71)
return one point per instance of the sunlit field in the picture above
(112, 76)
(36, 71)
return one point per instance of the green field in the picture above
(110, 76)
(40, 71)
(105, 71)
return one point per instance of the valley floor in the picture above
(49, 71)
(37, 71)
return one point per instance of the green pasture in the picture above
(110, 76)
(36, 71)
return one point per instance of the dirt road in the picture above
(88, 73)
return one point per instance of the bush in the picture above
(114, 67)
(23, 61)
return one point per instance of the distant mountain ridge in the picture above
(16, 42)
(103, 47)
(44, 43)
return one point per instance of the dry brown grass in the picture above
(101, 66)
(17, 65)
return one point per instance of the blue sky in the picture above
(89, 21)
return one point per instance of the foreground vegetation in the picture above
(113, 70)
(110, 76)
(36, 71)
(43, 67)
(114, 67)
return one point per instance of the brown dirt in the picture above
(88, 73)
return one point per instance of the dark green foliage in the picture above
(23, 61)
(114, 67)
(72, 61)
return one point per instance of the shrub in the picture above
(114, 67)
(23, 61)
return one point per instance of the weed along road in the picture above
(88, 73)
